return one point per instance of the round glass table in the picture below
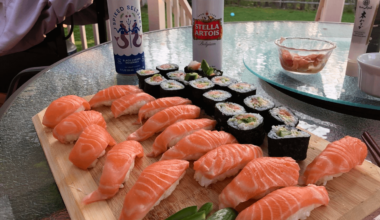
(27, 187)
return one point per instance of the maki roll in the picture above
(225, 110)
(247, 128)
(167, 67)
(178, 75)
(222, 82)
(171, 88)
(288, 141)
(143, 74)
(194, 67)
(152, 85)
(258, 104)
(241, 90)
(208, 71)
(280, 116)
(197, 88)
(212, 97)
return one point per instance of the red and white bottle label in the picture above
(207, 29)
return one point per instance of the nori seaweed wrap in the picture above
(212, 97)
(287, 141)
(280, 116)
(258, 104)
(222, 82)
(197, 88)
(167, 67)
(241, 90)
(224, 111)
(152, 85)
(143, 74)
(171, 88)
(247, 128)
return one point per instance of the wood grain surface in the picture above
(353, 195)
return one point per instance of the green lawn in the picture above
(241, 14)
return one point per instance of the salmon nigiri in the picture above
(339, 157)
(151, 108)
(175, 132)
(110, 94)
(197, 144)
(288, 203)
(258, 178)
(224, 161)
(155, 183)
(69, 129)
(63, 107)
(130, 104)
(163, 119)
(91, 145)
(119, 163)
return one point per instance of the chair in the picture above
(330, 10)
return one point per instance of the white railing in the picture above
(177, 12)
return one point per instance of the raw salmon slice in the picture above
(130, 104)
(258, 178)
(224, 161)
(288, 203)
(339, 157)
(63, 107)
(69, 129)
(175, 132)
(163, 119)
(119, 163)
(197, 144)
(110, 94)
(91, 145)
(155, 183)
(151, 108)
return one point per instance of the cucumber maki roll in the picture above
(212, 97)
(194, 67)
(167, 67)
(171, 88)
(222, 82)
(241, 90)
(152, 85)
(197, 88)
(280, 116)
(258, 104)
(288, 141)
(247, 128)
(143, 74)
(224, 111)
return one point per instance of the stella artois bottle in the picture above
(208, 31)
(126, 31)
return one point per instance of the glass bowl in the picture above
(303, 55)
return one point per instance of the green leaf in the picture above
(183, 213)
(204, 66)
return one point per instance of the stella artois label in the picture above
(207, 28)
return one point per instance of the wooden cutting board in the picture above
(353, 195)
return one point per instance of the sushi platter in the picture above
(354, 195)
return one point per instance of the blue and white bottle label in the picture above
(127, 35)
(129, 64)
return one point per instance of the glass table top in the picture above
(331, 84)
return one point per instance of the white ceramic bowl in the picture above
(369, 73)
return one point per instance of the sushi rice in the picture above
(147, 72)
(202, 83)
(222, 80)
(167, 66)
(217, 95)
(177, 75)
(258, 102)
(242, 87)
(229, 108)
(245, 121)
(171, 85)
(283, 114)
(156, 79)
(287, 132)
